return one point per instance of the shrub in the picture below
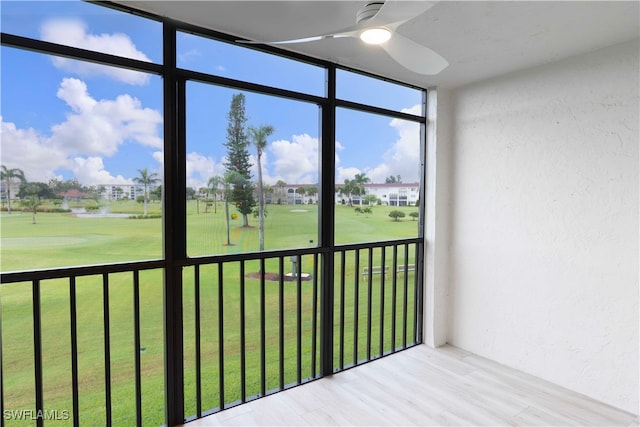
(396, 215)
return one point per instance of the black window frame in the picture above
(174, 215)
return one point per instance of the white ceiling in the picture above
(480, 39)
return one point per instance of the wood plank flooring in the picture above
(423, 386)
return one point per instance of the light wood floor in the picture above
(422, 386)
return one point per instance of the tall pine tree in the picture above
(238, 158)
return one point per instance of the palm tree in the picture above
(146, 179)
(360, 180)
(9, 176)
(32, 201)
(258, 137)
(347, 189)
(280, 184)
(214, 184)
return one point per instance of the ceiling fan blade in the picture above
(303, 40)
(399, 11)
(413, 56)
(351, 31)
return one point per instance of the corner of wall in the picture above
(436, 224)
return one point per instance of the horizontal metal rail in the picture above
(89, 270)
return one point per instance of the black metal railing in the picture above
(390, 294)
(271, 333)
(72, 363)
(252, 326)
(264, 334)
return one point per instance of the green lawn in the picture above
(59, 239)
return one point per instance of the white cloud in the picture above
(99, 127)
(295, 161)
(92, 130)
(29, 151)
(339, 147)
(158, 156)
(403, 157)
(346, 173)
(186, 56)
(73, 32)
(201, 168)
(91, 171)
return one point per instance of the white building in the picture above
(124, 191)
(392, 194)
(388, 194)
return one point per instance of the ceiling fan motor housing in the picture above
(368, 11)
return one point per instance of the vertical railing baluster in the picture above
(370, 300)
(221, 334)
(137, 345)
(263, 331)
(405, 296)
(243, 338)
(281, 319)
(416, 298)
(73, 326)
(107, 347)
(196, 297)
(342, 279)
(73, 320)
(299, 318)
(314, 310)
(393, 298)
(37, 349)
(356, 304)
(382, 285)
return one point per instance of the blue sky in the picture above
(62, 118)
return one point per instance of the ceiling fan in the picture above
(376, 24)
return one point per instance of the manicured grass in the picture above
(63, 240)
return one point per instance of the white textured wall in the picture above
(543, 268)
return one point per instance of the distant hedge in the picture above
(38, 209)
(149, 216)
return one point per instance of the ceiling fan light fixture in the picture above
(375, 35)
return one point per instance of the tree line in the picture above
(32, 193)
